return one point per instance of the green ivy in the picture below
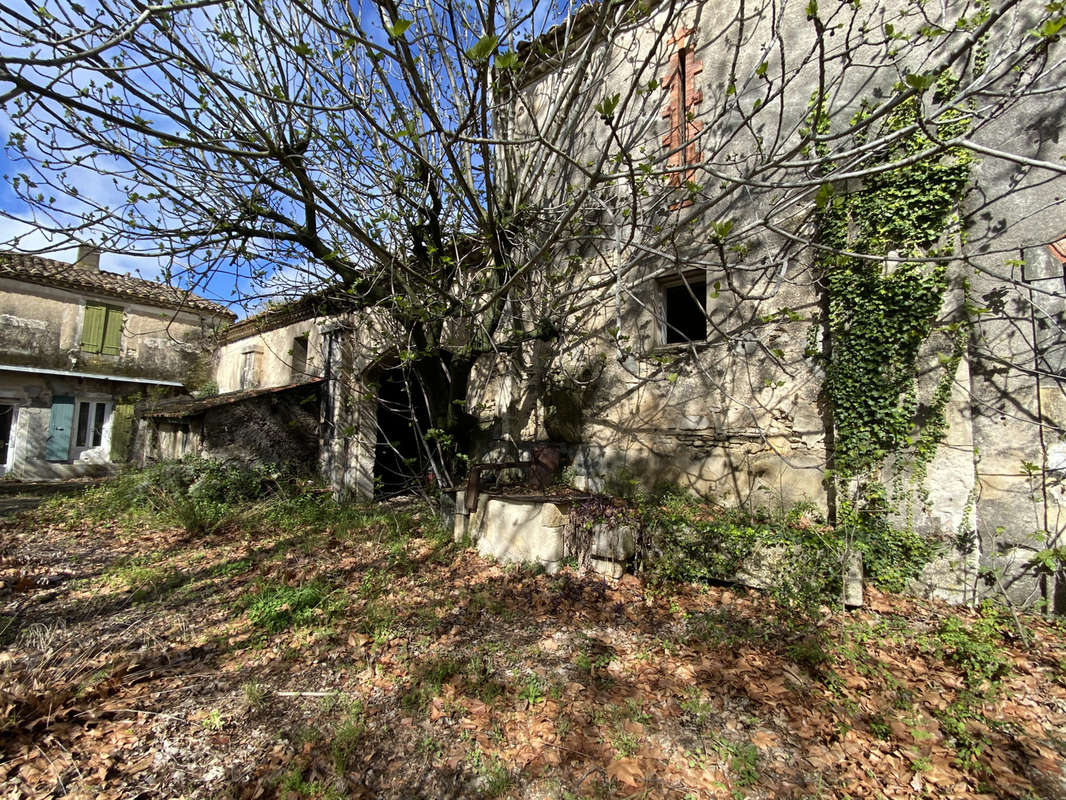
(882, 309)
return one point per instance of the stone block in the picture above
(461, 518)
(764, 567)
(617, 543)
(853, 581)
(554, 515)
(511, 530)
(608, 568)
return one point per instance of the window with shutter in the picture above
(102, 329)
(112, 332)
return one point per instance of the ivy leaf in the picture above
(398, 28)
(825, 194)
(483, 48)
(761, 69)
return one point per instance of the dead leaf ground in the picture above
(374, 662)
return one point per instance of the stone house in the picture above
(78, 345)
(704, 362)
(268, 403)
(687, 361)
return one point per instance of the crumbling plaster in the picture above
(275, 356)
(42, 327)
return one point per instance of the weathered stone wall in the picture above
(741, 414)
(279, 429)
(274, 356)
(42, 327)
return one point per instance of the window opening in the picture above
(90, 428)
(299, 357)
(685, 311)
(7, 414)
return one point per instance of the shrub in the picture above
(686, 538)
(201, 495)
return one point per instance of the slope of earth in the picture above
(313, 652)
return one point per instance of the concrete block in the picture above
(618, 543)
(607, 567)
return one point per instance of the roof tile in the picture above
(47, 272)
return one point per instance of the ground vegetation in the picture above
(305, 649)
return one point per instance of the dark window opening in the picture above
(399, 459)
(83, 425)
(299, 357)
(90, 429)
(685, 312)
(98, 425)
(6, 415)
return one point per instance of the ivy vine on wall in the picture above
(886, 245)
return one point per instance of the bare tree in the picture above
(484, 177)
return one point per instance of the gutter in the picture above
(66, 373)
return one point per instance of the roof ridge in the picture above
(50, 272)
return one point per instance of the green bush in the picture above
(199, 494)
(892, 557)
(976, 649)
(686, 538)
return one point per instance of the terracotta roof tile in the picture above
(46, 272)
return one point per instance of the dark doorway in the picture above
(399, 459)
(6, 415)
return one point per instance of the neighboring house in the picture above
(77, 346)
(268, 369)
(276, 347)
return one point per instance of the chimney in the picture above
(88, 257)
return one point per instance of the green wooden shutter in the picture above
(112, 332)
(57, 448)
(92, 330)
(121, 431)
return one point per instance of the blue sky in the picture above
(225, 288)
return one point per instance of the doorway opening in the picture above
(7, 416)
(400, 463)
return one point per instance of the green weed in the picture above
(743, 760)
(347, 737)
(276, 606)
